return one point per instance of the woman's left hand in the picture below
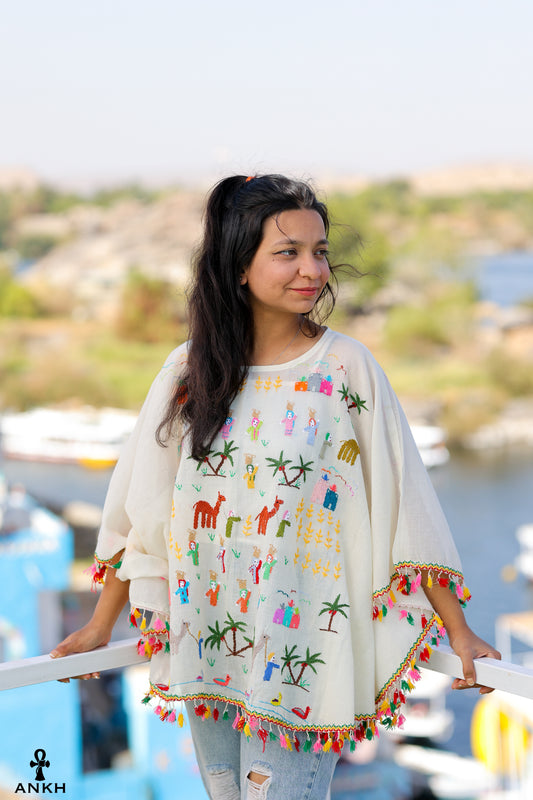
(468, 646)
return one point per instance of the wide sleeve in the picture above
(138, 506)
(410, 534)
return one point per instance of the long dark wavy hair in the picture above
(221, 330)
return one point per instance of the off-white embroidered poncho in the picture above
(283, 570)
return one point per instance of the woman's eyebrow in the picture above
(287, 240)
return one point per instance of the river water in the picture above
(484, 495)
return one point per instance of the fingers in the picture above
(469, 673)
(66, 649)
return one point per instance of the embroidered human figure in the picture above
(228, 425)
(221, 555)
(193, 551)
(270, 560)
(214, 588)
(244, 596)
(183, 587)
(289, 419)
(270, 667)
(326, 444)
(285, 523)
(251, 471)
(232, 519)
(255, 566)
(255, 427)
(312, 427)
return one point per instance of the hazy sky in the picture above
(124, 89)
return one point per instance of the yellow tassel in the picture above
(247, 730)
(207, 712)
(430, 581)
(327, 746)
(136, 613)
(392, 596)
(180, 720)
(289, 744)
(143, 624)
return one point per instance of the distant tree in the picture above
(150, 309)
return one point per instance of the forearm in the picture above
(465, 643)
(112, 599)
(447, 606)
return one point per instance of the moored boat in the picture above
(90, 437)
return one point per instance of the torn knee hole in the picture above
(257, 777)
(222, 784)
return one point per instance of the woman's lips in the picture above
(309, 291)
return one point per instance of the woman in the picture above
(288, 611)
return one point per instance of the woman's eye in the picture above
(288, 252)
(322, 253)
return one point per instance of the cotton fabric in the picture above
(283, 570)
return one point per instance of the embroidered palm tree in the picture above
(280, 465)
(332, 609)
(224, 455)
(218, 636)
(356, 401)
(309, 660)
(289, 657)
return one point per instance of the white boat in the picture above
(88, 436)
(524, 560)
(431, 443)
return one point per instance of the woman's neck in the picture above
(281, 341)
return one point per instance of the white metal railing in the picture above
(501, 675)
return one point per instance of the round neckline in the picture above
(295, 361)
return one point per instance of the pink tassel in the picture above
(416, 583)
(159, 625)
(283, 741)
(317, 747)
(172, 717)
(403, 614)
(401, 720)
(236, 722)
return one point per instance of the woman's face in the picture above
(290, 267)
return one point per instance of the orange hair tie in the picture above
(249, 179)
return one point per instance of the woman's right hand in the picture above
(81, 641)
(98, 630)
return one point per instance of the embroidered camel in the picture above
(175, 639)
(207, 513)
(264, 515)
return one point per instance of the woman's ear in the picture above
(243, 278)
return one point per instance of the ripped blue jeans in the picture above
(226, 758)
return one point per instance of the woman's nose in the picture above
(309, 266)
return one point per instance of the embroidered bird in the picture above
(221, 681)
(301, 713)
(276, 700)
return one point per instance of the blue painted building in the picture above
(48, 725)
